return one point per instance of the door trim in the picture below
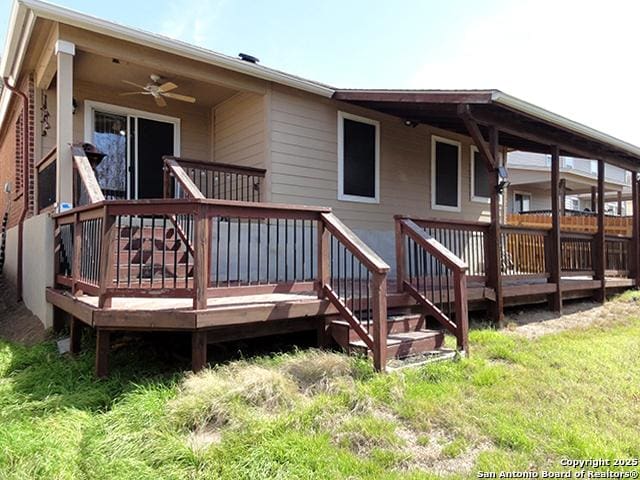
(132, 114)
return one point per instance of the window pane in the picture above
(481, 186)
(110, 137)
(446, 174)
(359, 159)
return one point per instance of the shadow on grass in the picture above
(44, 380)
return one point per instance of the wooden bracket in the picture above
(464, 112)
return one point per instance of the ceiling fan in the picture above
(159, 91)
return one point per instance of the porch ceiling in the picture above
(541, 180)
(106, 72)
(522, 126)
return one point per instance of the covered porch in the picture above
(508, 260)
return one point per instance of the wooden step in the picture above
(343, 333)
(402, 345)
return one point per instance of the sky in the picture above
(576, 58)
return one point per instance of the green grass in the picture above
(515, 403)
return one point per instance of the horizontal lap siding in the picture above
(304, 162)
(239, 131)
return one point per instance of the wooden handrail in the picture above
(433, 246)
(406, 226)
(357, 247)
(87, 176)
(432, 222)
(183, 179)
(217, 166)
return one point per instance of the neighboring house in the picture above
(530, 175)
(229, 200)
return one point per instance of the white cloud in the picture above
(192, 22)
(576, 58)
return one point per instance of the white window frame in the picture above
(472, 162)
(521, 192)
(132, 114)
(357, 198)
(434, 205)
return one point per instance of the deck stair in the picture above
(146, 252)
(407, 336)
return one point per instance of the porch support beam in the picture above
(103, 345)
(599, 239)
(555, 274)
(635, 242)
(563, 195)
(527, 132)
(493, 253)
(489, 156)
(594, 191)
(198, 350)
(64, 52)
(619, 199)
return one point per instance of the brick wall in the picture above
(11, 167)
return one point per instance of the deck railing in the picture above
(434, 276)
(214, 180)
(572, 222)
(128, 248)
(524, 251)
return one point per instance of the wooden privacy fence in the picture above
(573, 223)
(434, 276)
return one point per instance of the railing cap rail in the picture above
(433, 246)
(229, 167)
(445, 222)
(357, 247)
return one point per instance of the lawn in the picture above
(515, 404)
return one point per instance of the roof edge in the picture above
(177, 47)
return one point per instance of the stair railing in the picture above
(434, 277)
(354, 279)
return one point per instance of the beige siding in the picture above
(239, 131)
(304, 162)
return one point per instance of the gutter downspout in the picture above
(25, 179)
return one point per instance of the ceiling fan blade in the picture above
(160, 101)
(166, 87)
(133, 93)
(182, 98)
(134, 84)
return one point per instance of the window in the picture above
(521, 202)
(480, 188)
(445, 174)
(358, 159)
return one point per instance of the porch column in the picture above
(635, 242)
(563, 193)
(593, 199)
(555, 299)
(619, 198)
(494, 245)
(65, 52)
(599, 238)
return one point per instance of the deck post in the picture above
(400, 255)
(599, 238)
(107, 262)
(198, 350)
(619, 200)
(594, 191)
(553, 266)
(379, 313)
(461, 310)
(493, 255)
(563, 194)
(75, 330)
(103, 344)
(201, 258)
(60, 318)
(324, 268)
(635, 241)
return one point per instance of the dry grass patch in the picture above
(319, 371)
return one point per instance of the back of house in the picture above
(149, 184)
